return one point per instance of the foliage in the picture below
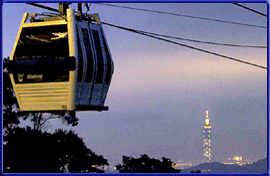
(34, 151)
(144, 164)
(10, 118)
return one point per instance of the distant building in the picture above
(236, 160)
(207, 138)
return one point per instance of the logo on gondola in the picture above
(20, 77)
(64, 107)
(35, 77)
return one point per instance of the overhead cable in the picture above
(245, 7)
(188, 46)
(181, 15)
(206, 42)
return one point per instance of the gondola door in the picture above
(100, 66)
(95, 67)
(86, 68)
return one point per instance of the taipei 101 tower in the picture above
(207, 138)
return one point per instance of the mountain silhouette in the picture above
(259, 166)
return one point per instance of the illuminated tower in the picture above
(207, 139)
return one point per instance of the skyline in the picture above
(160, 91)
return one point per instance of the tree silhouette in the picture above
(33, 151)
(10, 118)
(27, 150)
(144, 164)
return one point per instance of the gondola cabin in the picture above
(61, 63)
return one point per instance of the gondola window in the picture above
(89, 55)
(41, 55)
(80, 58)
(100, 62)
(109, 62)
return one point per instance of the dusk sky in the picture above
(160, 91)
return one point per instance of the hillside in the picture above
(259, 166)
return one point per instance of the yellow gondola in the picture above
(61, 63)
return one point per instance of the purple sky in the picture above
(160, 91)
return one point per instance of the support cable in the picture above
(152, 36)
(181, 15)
(250, 9)
(206, 42)
(188, 46)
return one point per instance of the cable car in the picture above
(61, 63)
